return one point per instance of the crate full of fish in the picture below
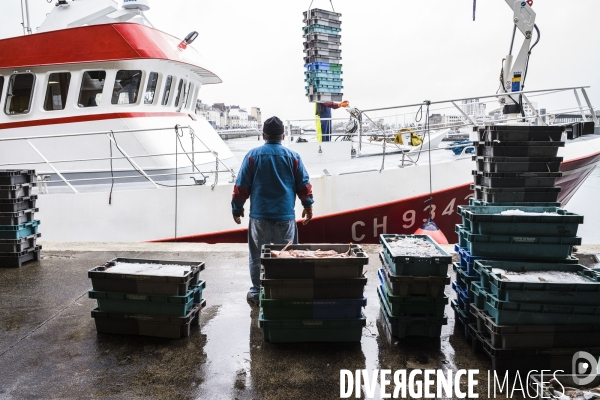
(313, 261)
(511, 220)
(563, 387)
(416, 255)
(134, 275)
(536, 282)
(406, 285)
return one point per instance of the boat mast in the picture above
(26, 22)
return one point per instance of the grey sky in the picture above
(394, 52)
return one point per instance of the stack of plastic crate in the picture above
(313, 299)
(322, 60)
(517, 166)
(18, 228)
(147, 297)
(411, 290)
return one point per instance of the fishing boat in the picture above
(109, 127)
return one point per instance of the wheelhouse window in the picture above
(167, 94)
(19, 94)
(188, 95)
(151, 88)
(179, 89)
(56, 94)
(91, 88)
(127, 87)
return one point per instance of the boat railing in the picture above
(367, 132)
(178, 130)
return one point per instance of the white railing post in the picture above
(50, 165)
(589, 104)
(580, 106)
(535, 112)
(464, 114)
(131, 161)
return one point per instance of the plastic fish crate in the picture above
(323, 21)
(19, 231)
(19, 217)
(460, 229)
(463, 298)
(322, 59)
(403, 285)
(20, 204)
(539, 384)
(145, 284)
(16, 260)
(319, 52)
(535, 336)
(548, 134)
(319, 13)
(16, 191)
(321, 29)
(335, 39)
(148, 325)
(561, 293)
(488, 220)
(436, 265)
(323, 89)
(411, 305)
(18, 245)
(323, 74)
(313, 268)
(479, 294)
(526, 360)
(324, 81)
(312, 330)
(321, 44)
(462, 319)
(411, 325)
(324, 97)
(463, 279)
(513, 179)
(310, 289)
(517, 149)
(518, 164)
(513, 313)
(312, 309)
(521, 247)
(518, 194)
(175, 306)
(16, 177)
(474, 202)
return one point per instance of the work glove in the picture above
(238, 220)
(307, 214)
(344, 103)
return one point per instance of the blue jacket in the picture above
(271, 176)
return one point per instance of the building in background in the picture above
(255, 112)
(221, 116)
(473, 107)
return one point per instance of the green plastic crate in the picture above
(479, 294)
(404, 326)
(312, 330)
(523, 247)
(512, 313)
(411, 305)
(406, 285)
(128, 303)
(563, 293)
(335, 67)
(488, 221)
(311, 309)
(412, 265)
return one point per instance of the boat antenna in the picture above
(25, 17)
(428, 133)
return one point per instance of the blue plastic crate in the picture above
(19, 231)
(462, 297)
(317, 66)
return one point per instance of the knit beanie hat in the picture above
(273, 127)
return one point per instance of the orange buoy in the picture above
(430, 228)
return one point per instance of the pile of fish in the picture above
(521, 212)
(148, 269)
(412, 247)
(540, 276)
(285, 253)
(573, 393)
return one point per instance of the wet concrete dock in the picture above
(49, 348)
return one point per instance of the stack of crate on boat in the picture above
(147, 297)
(312, 299)
(522, 297)
(322, 59)
(413, 278)
(18, 227)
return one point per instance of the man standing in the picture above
(271, 176)
(323, 114)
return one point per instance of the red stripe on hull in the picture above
(86, 118)
(364, 225)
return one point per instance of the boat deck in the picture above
(49, 347)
